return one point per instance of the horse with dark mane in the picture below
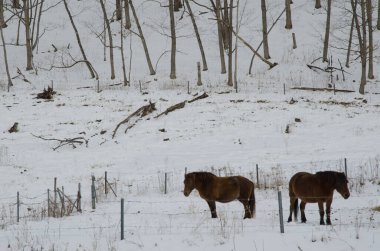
(316, 188)
(222, 189)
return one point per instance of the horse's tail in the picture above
(295, 208)
(252, 202)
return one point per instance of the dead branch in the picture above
(204, 95)
(141, 112)
(172, 108)
(46, 94)
(320, 89)
(67, 141)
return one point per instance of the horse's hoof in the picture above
(329, 223)
(214, 216)
(303, 221)
(322, 223)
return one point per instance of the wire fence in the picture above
(134, 185)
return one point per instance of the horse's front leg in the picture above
(302, 208)
(328, 211)
(321, 213)
(212, 207)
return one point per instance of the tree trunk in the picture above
(118, 10)
(109, 38)
(177, 5)
(126, 14)
(230, 49)
(378, 15)
(370, 39)
(220, 37)
(28, 45)
(204, 62)
(327, 32)
(37, 39)
(288, 13)
(350, 41)
(2, 22)
(89, 66)
(363, 51)
(174, 42)
(5, 51)
(122, 48)
(318, 4)
(225, 25)
(265, 29)
(141, 34)
(16, 4)
(236, 46)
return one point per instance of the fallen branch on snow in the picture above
(62, 142)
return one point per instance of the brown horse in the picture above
(222, 189)
(316, 188)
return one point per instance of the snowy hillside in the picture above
(265, 125)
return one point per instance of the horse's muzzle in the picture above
(346, 196)
(186, 193)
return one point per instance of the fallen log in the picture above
(172, 108)
(139, 113)
(204, 95)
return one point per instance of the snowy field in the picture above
(226, 133)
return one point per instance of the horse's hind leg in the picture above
(302, 207)
(292, 208)
(245, 203)
(321, 213)
(212, 207)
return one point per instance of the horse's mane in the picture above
(330, 176)
(203, 175)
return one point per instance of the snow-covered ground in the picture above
(226, 133)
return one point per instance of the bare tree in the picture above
(236, 46)
(2, 22)
(126, 14)
(4, 45)
(118, 10)
(108, 27)
(89, 66)
(318, 4)
(350, 39)
(362, 37)
(265, 29)
(378, 14)
(288, 24)
(217, 10)
(225, 25)
(327, 32)
(174, 42)
(370, 39)
(37, 36)
(16, 4)
(141, 34)
(28, 42)
(122, 48)
(230, 28)
(177, 5)
(204, 62)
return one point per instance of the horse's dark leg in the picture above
(321, 213)
(212, 207)
(246, 208)
(291, 208)
(328, 211)
(302, 207)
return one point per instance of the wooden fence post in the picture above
(199, 82)
(257, 176)
(105, 183)
(55, 197)
(294, 41)
(166, 186)
(93, 192)
(122, 219)
(48, 202)
(280, 212)
(63, 209)
(345, 166)
(79, 197)
(188, 87)
(18, 206)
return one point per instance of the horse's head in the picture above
(189, 184)
(341, 185)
